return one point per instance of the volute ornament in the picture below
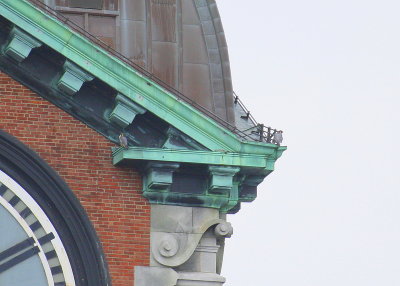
(224, 229)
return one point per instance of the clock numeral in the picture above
(35, 226)
(45, 239)
(25, 212)
(14, 201)
(3, 190)
(19, 258)
(50, 254)
(55, 270)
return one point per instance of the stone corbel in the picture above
(185, 242)
(177, 232)
(72, 78)
(20, 44)
(173, 249)
(221, 179)
(124, 111)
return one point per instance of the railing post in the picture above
(269, 135)
(261, 130)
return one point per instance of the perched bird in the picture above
(278, 138)
(123, 141)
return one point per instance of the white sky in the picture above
(328, 74)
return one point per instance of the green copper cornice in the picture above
(124, 78)
(198, 157)
(229, 178)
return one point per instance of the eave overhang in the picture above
(232, 167)
(244, 160)
(120, 76)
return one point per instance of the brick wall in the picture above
(82, 157)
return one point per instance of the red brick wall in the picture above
(82, 157)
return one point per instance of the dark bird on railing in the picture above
(246, 116)
(278, 138)
(123, 141)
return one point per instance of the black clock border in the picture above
(56, 199)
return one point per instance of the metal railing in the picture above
(258, 132)
(265, 135)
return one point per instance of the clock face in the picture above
(31, 251)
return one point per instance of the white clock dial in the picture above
(31, 251)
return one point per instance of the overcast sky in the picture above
(328, 74)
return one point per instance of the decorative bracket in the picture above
(176, 233)
(172, 139)
(248, 192)
(124, 111)
(188, 241)
(221, 179)
(20, 44)
(178, 140)
(159, 177)
(73, 78)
